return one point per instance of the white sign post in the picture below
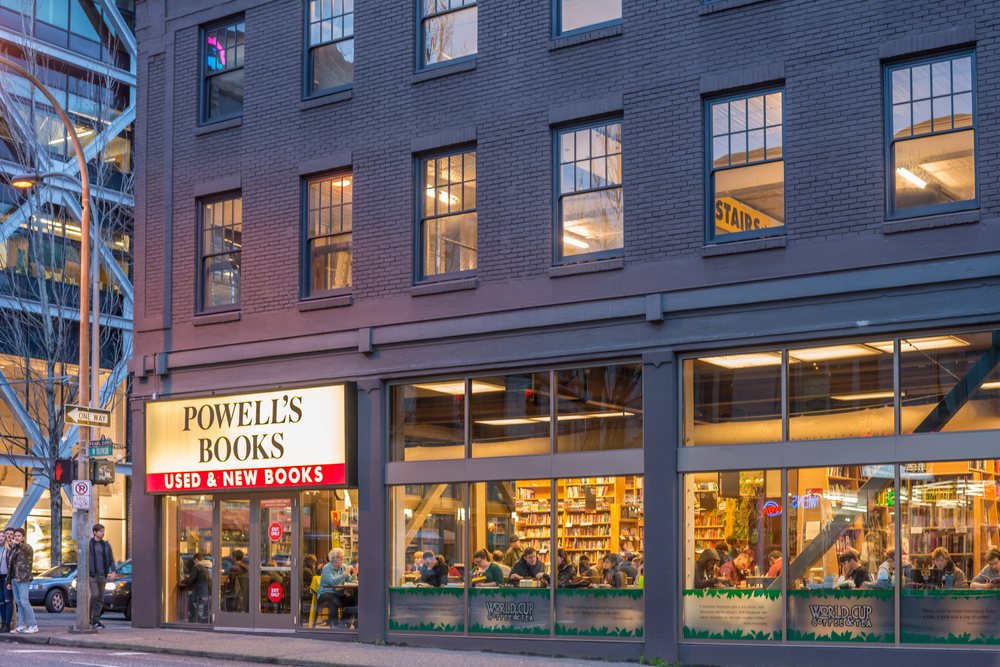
(81, 494)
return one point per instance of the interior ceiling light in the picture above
(932, 343)
(863, 397)
(506, 422)
(586, 415)
(752, 360)
(832, 352)
(911, 177)
(457, 387)
(342, 183)
(990, 385)
(574, 242)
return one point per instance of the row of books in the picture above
(926, 542)
(585, 518)
(586, 544)
(580, 492)
(940, 517)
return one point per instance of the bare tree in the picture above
(40, 273)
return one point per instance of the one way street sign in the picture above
(83, 416)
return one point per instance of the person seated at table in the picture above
(583, 566)
(485, 568)
(705, 570)
(418, 561)
(498, 559)
(308, 572)
(628, 568)
(566, 571)
(946, 566)
(514, 553)
(734, 549)
(855, 575)
(735, 571)
(453, 571)
(637, 563)
(528, 566)
(331, 595)
(989, 577)
(774, 564)
(886, 569)
(434, 571)
(611, 573)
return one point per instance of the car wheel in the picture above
(55, 601)
(128, 611)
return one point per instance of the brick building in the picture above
(744, 249)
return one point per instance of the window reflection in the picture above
(222, 240)
(578, 14)
(448, 211)
(512, 420)
(591, 205)
(428, 420)
(732, 398)
(599, 408)
(331, 44)
(451, 30)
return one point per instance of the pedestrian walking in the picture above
(6, 594)
(19, 581)
(102, 563)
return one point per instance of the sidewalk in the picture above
(299, 652)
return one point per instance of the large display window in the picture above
(329, 556)
(189, 548)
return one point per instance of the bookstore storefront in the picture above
(257, 505)
(516, 505)
(843, 493)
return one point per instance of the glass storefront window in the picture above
(189, 555)
(840, 391)
(840, 527)
(329, 533)
(732, 585)
(510, 415)
(950, 560)
(950, 383)
(428, 420)
(733, 398)
(275, 556)
(599, 408)
(427, 558)
(598, 562)
(234, 549)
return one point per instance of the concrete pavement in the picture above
(278, 650)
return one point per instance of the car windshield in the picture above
(59, 572)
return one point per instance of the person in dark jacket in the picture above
(102, 565)
(528, 566)
(584, 567)
(238, 582)
(613, 575)
(566, 571)
(704, 570)
(19, 579)
(197, 583)
(854, 571)
(434, 571)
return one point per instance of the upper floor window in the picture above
(590, 218)
(574, 15)
(222, 71)
(331, 45)
(932, 145)
(328, 233)
(449, 29)
(221, 243)
(448, 214)
(746, 167)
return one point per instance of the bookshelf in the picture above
(534, 518)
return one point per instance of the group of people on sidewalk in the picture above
(16, 563)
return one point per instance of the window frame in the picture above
(420, 276)
(306, 292)
(205, 76)
(889, 141)
(421, 37)
(557, 225)
(710, 169)
(200, 308)
(557, 32)
(307, 61)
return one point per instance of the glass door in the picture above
(254, 573)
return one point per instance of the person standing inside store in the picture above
(332, 595)
(434, 571)
(19, 581)
(486, 569)
(951, 575)
(989, 577)
(238, 582)
(498, 559)
(6, 594)
(197, 583)
(528, 567)
(514, 553)
(102, 564)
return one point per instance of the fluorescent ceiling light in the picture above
(443, 196)
(932, 343)
(831, 352)
(585, 415)
(344, 182)
(578, 244)
(908, 175)
(990, 385)
(863, 397)
(457, 387)
(507, 422)
(752, 360)
(80, 135)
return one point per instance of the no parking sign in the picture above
(81, 494)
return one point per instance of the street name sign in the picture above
(84, 416)
(101, 450)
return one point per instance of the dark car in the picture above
(52, 588)
(117, 593)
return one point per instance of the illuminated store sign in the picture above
(287, 438)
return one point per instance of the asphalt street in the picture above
(23, 655)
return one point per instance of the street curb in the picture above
(191, 653)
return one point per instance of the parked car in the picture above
(51, 588)
(117, 593)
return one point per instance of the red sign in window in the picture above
(275, 532)
(275, 592)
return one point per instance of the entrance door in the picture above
(255, 576)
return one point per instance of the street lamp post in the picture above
(81, 518)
